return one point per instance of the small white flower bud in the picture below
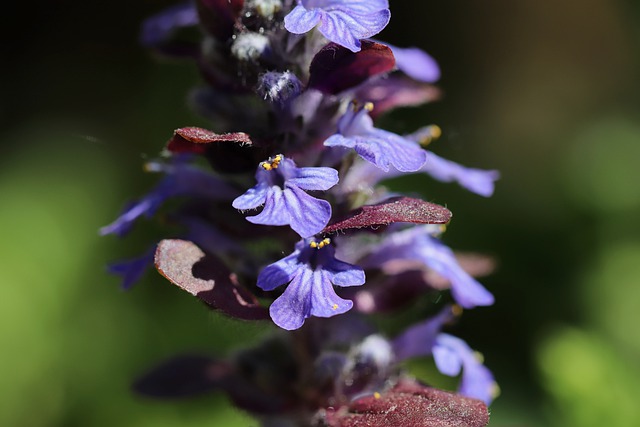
(249, 46)
(266, 8)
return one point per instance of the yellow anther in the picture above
(377, 395)
(432, 133)
(321, 244)
(368, 106)
(495, 390)
(443, 228)
(335, 306)
(478, 356)
(456, 310)
(272, 163)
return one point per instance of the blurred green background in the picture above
(546, 92)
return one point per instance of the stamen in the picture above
(456, 310)
(431, 133)
(377, 395)
(272, 163)
(368, 106)
(319, 245)
(495, 390)
(335, 306)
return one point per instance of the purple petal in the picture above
(362, 176)
(467, 291)
(292, 307)
(447, 361)
(307, 215)
(416, 63)
(301, 20)
(344, 23)
(475, 180)
(314, 178)
(341, 273)
(159, 27)
(377, 146)
(253, 198)
(336, 27)
(324, 301)
(419, 339)
(391, 149)
(358, 6)
(477, 380)
(123, 224)
(347, 28)
(132, 270)
(338, 140)
(274, 211)
(279, 273)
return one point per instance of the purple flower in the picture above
(280, 189)
(181, 180)
(132, 270)
(478, 181)
(451, 355)
(382, 148)
(419, 339)
(419, 244)
(363, 176)
(311, 271)
(416, 63)
(158, 28)
(341, 21)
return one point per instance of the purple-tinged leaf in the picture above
(227, 152)
(206, 277)
(219, 16)
(396, 209)
(196, 140)
(183, 376)
(411, 405)
(335, 69)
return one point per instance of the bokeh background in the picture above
(546, 92)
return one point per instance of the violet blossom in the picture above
(451, 355)
(311, 271)
(377, 146)
(420, 244)
(281, 189)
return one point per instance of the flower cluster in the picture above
(293, 89)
